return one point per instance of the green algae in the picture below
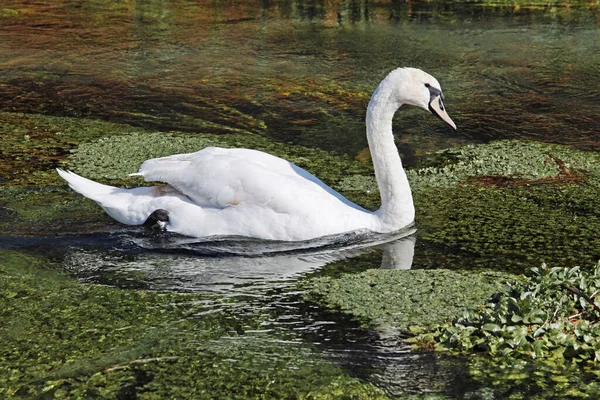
(513, 159)
(400, 299)
(64, 339)
(513, 228)
(33, 144)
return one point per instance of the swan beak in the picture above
(437, 107)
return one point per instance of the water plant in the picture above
(62, 339)
(403, 299)
(551, 315)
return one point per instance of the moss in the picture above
(64, 339)
(400, 299)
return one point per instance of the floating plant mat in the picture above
(512, 205)
(116, 157)
(503, 206)
(525, 201)
(400, 299)
(507, 206)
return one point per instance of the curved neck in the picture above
(397, 209)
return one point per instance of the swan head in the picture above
(417, 88)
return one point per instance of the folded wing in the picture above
(220, 178)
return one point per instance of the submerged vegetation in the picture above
(63, 339)
(529, 203)
(403, 299)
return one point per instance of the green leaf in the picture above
(491, 327)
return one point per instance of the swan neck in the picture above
(397, 209)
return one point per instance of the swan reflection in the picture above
(231, 265)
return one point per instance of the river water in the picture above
(299, 72)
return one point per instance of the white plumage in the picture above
(245, 192)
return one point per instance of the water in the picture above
(297, 72)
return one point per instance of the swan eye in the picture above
(427, 85)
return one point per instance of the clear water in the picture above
(512, 70)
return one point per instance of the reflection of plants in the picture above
(552, 315)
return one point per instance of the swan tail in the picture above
(114, 201)
(90, 189)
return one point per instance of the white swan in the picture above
(246, 192)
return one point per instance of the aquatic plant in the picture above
(62, 339)
(512, 227)
(401, 299)
(115, 157)
(509, 377)
(520, 202)
(517, 161)
(552, 315)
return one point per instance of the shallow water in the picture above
(298, 72)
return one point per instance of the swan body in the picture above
(244, 192)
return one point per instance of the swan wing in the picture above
(220, 178)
